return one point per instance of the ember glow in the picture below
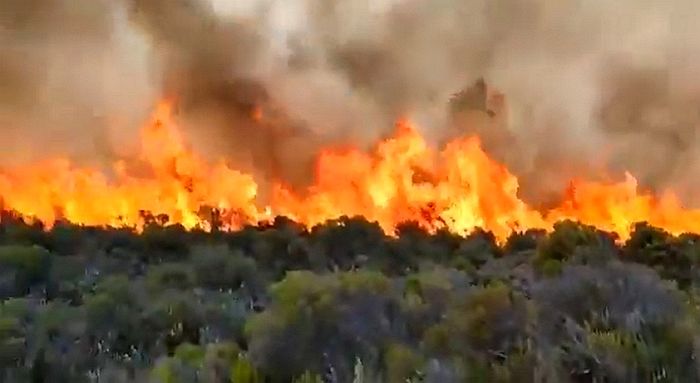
(401, 179)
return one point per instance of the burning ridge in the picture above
(401, 179)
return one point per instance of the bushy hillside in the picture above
(342, 302)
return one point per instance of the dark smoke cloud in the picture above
(569, 88)
(208, 66)
(591, 87)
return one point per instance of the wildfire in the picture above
(402, 179)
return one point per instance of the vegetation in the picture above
(342, 302)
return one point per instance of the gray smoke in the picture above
(592, 88)
(586, 88)
(71, 80)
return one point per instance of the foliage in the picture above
(28, 264)
(343, 302)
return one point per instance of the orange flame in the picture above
(178, 184)
(402, 179)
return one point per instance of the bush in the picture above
(218, 268)
(31, 265)
(344, 302)
(178, 276)
(565, 239)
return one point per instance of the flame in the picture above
(177, 184)
(401, 179)
(404, 180)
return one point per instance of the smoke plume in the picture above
(554, 89)
(71, 80)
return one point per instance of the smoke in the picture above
(71, 80)
(578, 88)
(592, 88)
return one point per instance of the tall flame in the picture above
(402, 179)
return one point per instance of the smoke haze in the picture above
(576, 88)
